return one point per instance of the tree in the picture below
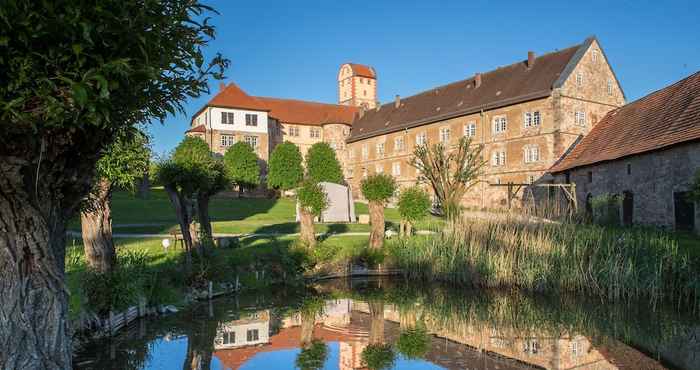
(285, 169)
(414, 204)
(377, 189)
(322, 165)
(242, 166)
(312, 202)
(190, 177)
(451, 173)
(75, 75)
(123, 163)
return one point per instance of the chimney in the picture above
(530, 59)
(397, 101)
(477, 80)
(222, 86)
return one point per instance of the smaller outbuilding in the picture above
(645, 156)
(341, 206)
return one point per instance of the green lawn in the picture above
(229, 215)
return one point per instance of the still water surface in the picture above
(390, 324)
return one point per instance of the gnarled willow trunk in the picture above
(308, 235)
(376, 220)
(376, 327)
(206, 234)
(43, 178)
(183, 212)
(96, 224)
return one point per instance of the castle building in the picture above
(525, 116)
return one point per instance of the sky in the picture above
(293, 49)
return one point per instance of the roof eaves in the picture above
(573, 62)
(463, 112)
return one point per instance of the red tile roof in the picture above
(501, 87)
(199, 128)
(233, 96)
(362, 70)
(306, 112)
(666, 117)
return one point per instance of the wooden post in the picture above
(210, 290)
(510, 194)
(574, 197)
(111, 322)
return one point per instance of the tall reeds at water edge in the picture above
(616, 264)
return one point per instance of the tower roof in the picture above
(362, 70)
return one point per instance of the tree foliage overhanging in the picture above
(242, 165)
(322, 164)
(285, 169)
(125, 161)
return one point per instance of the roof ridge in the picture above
(304, 101)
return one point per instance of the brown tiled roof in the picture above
(661, 119)
(362, 70)
(504, 86)
(233, 96)
(306, 112)
(199, 128)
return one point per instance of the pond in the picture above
(393, 324)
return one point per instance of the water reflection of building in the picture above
(252, 329)
(453, 345)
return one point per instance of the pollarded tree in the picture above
(414, 204)
(122, 164)
(312, 202)
(451, 172)
(377, 189)
(285, 169)
(322, 164)
(75, 76)
(242, 166)
(190, 177)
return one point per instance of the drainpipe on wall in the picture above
(483, 130)
(211, 130)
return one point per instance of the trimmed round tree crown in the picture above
(378, 187)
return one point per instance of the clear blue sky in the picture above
(293, 48)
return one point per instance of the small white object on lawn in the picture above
(166, 244)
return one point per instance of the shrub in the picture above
(606, 209)
(285, 169)
(413, 343)
(312, 357)
(322, 165)
(242, 165)
(378, 187)
(378, 356)
(414, 204)
(120, 288)
(312, 197)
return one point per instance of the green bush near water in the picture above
(616, 264)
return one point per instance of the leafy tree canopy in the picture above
(193, 169)
(125, 161)
(379, 187)
(242, 165)
(312, 197)
(313, 357)
(414, 343)
(414, 203)
(322, 164)
(379, 356)
(285, 170)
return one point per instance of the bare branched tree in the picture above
(450, 171)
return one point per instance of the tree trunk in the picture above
(144, 186)
(96, 224)
(409, 228)
(184, 219)
(376, 328)
(308, 235)
(376, 220)
(205, 230)
(308, 321)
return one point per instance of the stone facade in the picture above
(585, 90)
(652, 178)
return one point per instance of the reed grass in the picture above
(615, 264)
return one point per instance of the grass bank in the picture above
(616, 264)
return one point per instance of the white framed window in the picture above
(399, 144)
(227, 140)
(444, 134)
(594, 55)
(365, 152)
(227, 118)
(251, 119)
(396, 169)
(531, 346)
(380, 150)
(580, 118)
(532, 119)
(229, 337)
(379, 168)
(531, 153)
(498, 158)
(421, 139)
(315, 133)
(351, 154)
(500, 124)
(294, 131)
(252, 141)
(252, 335)
(610, 87)
(531, 179)
(579, 79)
(470, 129)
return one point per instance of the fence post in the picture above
(210, 290)
(111, 322)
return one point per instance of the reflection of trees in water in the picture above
(313, 352)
